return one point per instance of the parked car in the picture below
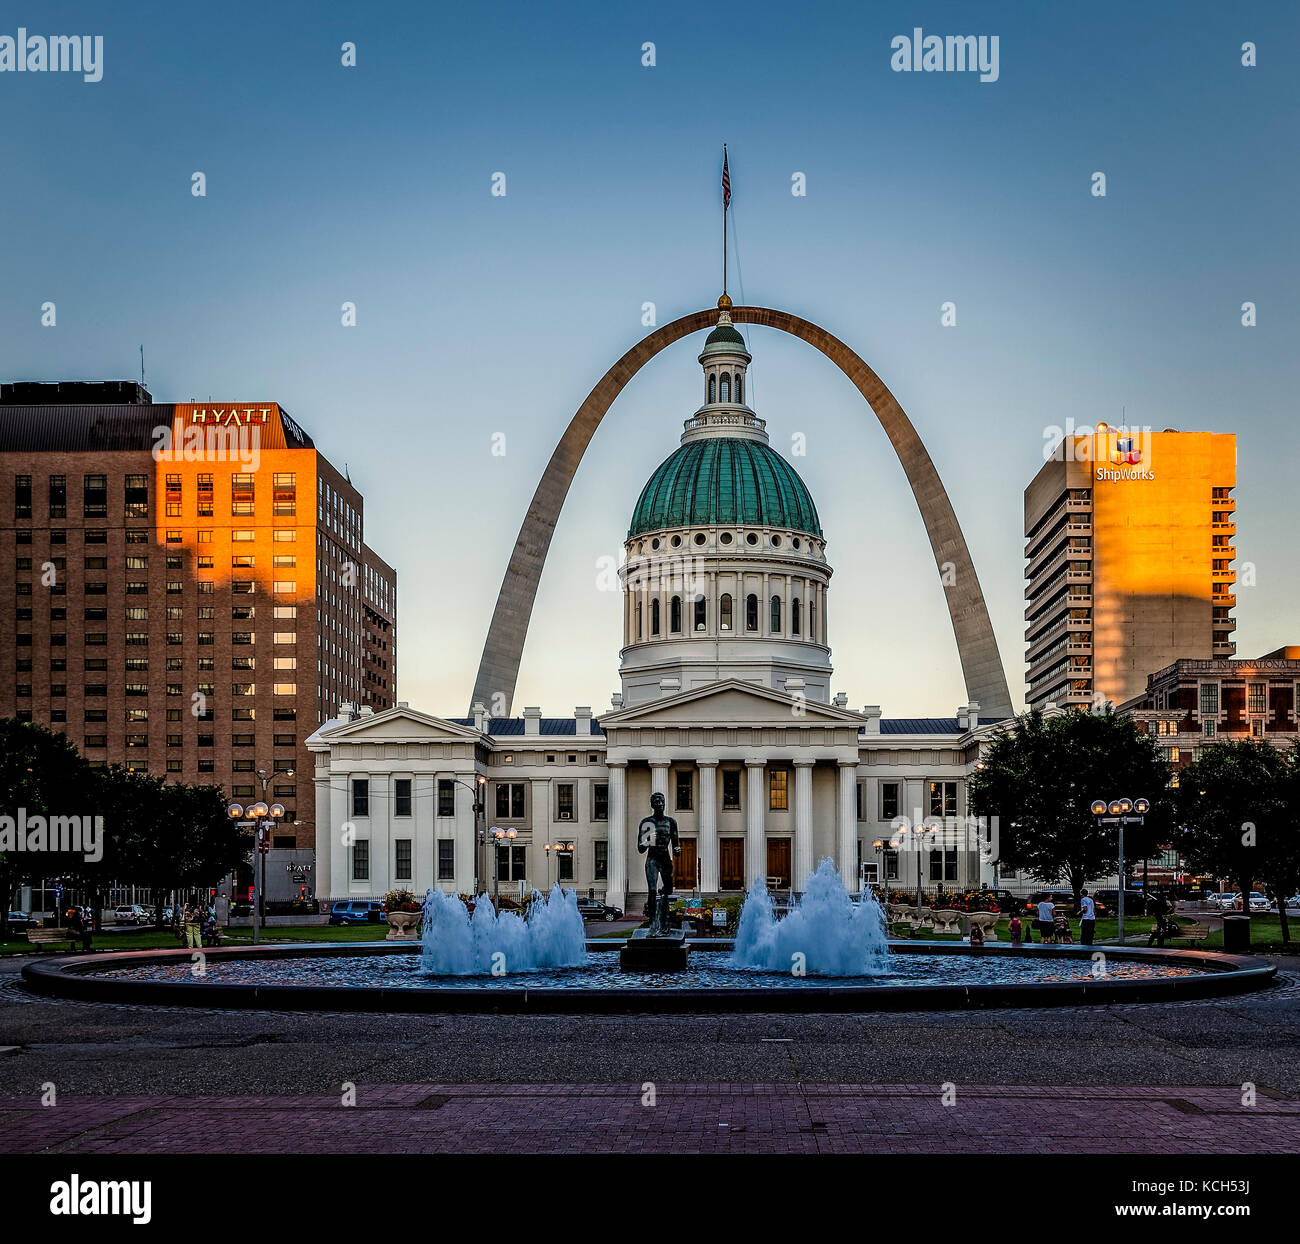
(1293, 901)
(1221, 901)
(21, 920)
(357, 911)
(130, 913)
(1064, 900)
(1258, 902)
(594, 909)
(1135, 901)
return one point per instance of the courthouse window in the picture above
(402, 859)
(600, 801)
(402, 798)
(943, 798)
(446, 859)
(361, 860)
(684, 785)
(360, 797)
(731, 790)
(778, 790)
(446, 797)
(889, 797)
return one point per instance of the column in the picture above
(803, 840)
(755, 839)
(848, 835)
(467, 838)
(765, 607)
(659, 780)
(707, 843)
(616, 850)
(915, 857)
(786, 624)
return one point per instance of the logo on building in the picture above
(1126, 452)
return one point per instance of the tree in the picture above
(1040, 777)
(1237, 812)
(40, 773)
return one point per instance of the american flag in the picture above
(726, 181)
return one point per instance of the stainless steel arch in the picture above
(981, 665)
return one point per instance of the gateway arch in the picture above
(981, 665)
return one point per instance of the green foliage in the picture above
(1040, 778)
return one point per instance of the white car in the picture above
(1224, 902)
(1233, 902)
(130, 913)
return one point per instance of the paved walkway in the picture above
(686, 1118)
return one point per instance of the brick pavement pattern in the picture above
(686, 1118)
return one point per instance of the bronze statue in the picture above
(657, 840)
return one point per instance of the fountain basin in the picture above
(921, 977)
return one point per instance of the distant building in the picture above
(196, 612)
(1129, 547)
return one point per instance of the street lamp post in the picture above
(560, 848)
(479, 791)
(498, 836)
(879, 846)
(261, 818)
(1120, 812)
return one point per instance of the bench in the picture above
(52, 937)
(1194, 932)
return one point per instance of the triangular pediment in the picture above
(730, 702)
(395, 725)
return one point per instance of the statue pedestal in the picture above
(644, 953)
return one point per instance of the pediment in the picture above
(396, 725)
(730, 703)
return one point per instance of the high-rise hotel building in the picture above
(187, 588)
(1129, 541)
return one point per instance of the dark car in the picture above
(357, 911)
(1135, 902)
(21, 920)
(1064, 901)
(594, 909)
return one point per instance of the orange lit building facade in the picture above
(1129, 548)
(191, 589)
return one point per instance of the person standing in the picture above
(193, 929)
(1046, 921)
(1013, 928)
(1087, 917)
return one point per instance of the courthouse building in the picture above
(725, 706)
(187, 589)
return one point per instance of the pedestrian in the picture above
(79, 927)
(193, 929)
(1087, 917)
(1046, 920)
(1014, 929)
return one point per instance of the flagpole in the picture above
(724, 224)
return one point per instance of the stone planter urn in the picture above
(403, 926)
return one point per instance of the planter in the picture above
(403, 926)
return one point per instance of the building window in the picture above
(402, 798)
(776, 615)
(683, 784)
(713, 389)
(731, 790)
(510, 801)
(600, 801)
(675, 615)
(943, 798)
(137, 496)
(446, 859)
(751, 612)
(889, 799)
(1208, 728)
(22, 496)
(402, 859)
(601, 870)
(360, 859)
(701, 614)
(724, 612)
(58, 496)
(891, 865)
(794, 616)
(446, 797)
(740, 388)
(1256, 699)
(943, 865)
(564, 801)
(654, 616)
(360, 796)
(565, 865)
(1209, 699)
(724, 388)
(778, 790)
(94, 496)
(638, 619)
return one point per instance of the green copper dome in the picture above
(721, 481)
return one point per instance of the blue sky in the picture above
(478, 314)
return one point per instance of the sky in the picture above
(482, 316)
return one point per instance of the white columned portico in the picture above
(659, 780)
(616, 848)
(803, 837)
(708, 831)
(755, 841)
(848, 826)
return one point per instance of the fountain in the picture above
(501, 943)
(825, 933)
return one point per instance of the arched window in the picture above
(654, 616)
(701, 617)
(776, 615)
(751, 612)
(724, 612)
(713, 389)
(794, 616)
(675, 615)
(740, 388)
(725, 390)
(638, 619)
